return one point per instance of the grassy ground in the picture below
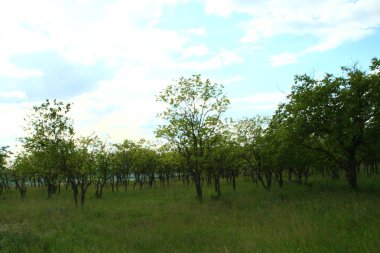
(321, 217)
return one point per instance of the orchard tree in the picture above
(283, 154)
(250, 133)
(223, 160)
(102, 162)
(369, 153)
(168, 165)
(21, 172)
(4, 154)
(338, 116)
(50, 137)
(193, 116)
(4, 171)
(145, 161)
(122, 162)
(81, 166)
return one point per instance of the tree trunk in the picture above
(208, 179)
(112, 184)
(233, 181)
(351, 172)
(217, 185)
(22, 189)
(266, 179)
(280, 179)
(74, 187)
(126, 181)
(51, 189)
(289, 175)
(23, 193)
(198, 186)
(82, 194)
(335, 174)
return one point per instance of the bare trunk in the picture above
(74, 187)
(233, 181)
(217, 185)
(351, 172)
(280, 179)
(198, 186)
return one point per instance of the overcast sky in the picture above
(110, 58)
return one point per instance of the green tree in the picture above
(283, 154)
(81, 166)
(4, 171)
(50, 138)
(21, 172)
(250, 134)
(193, 116)
(145, 162)
(169, 165)
(122, 162)
(102, 162)
(224, 160)
(337, 116)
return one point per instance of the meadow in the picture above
(321, 216)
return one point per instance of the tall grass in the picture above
(318, 217)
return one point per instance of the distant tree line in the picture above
(327, 127)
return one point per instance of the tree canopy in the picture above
(328, 127)
(193, 116)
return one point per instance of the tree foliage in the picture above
(336, 115)
(50, 138)
(327, 126)
(193, 117)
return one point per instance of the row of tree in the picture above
(327, 126)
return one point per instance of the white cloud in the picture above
(331, 22)
(90, 32)
(123, 34)
(10, 70)
(121, 108)
(229, 57)
(223, 58)
(12, 122)
(231, 80)
(197, 50)
(200, 31)
(219, 7)
(260, 101)
(14, 94)
(83, 2)
(284, 59)
(144, 56)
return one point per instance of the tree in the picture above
(81, 166)
(50, 137)
(224, 160)
(145, 161)
(4, 171)
(169, 165)
(122, 162)
(283, 154)
(337, 116)
(250, 134)
(21, 171)
(193, 116)
(102, 162)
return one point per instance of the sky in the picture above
(111, 58)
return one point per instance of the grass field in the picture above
(319, 217)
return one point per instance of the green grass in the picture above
(324, 216)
